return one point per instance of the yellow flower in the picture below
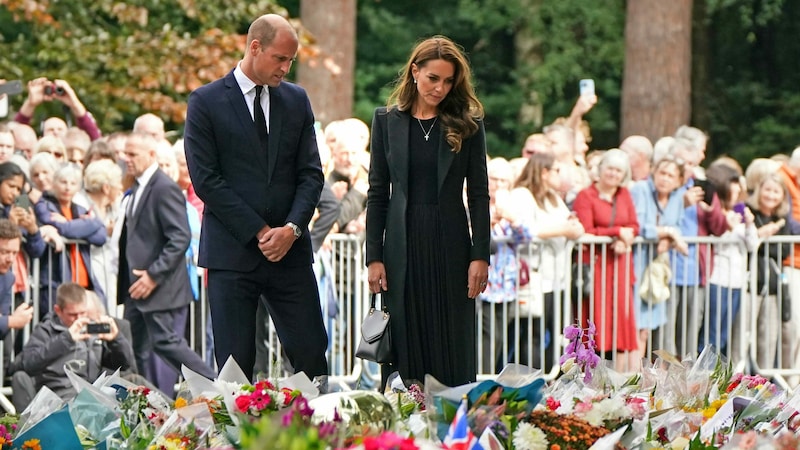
(180, 402)
(32, 444)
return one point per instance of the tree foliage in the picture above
(580, 40)
(125, 58)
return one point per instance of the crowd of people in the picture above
(124, 222)
(72, 194)
(662, 194)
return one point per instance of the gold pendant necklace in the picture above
(428, 133)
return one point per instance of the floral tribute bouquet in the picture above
(8, 427)
(189, 427)
(409, 404)
(291, 428)
(143, 413)
(493, 408)
(244, 401)
(544, 429)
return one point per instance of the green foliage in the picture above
(125, 58)
(583, 39)
(752, 95)
(750, 12)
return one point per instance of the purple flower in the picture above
(583, 350)
(572, 332)
(587, 357)
(301, 406)
(286, 420)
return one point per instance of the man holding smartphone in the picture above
(64, 340)
(10, 238)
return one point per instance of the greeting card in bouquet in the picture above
(54, 431)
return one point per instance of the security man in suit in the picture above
(153, 282)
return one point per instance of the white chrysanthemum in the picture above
(612, 408)
(594, 416)
(529, 437)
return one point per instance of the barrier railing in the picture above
(755, 339)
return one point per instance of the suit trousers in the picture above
(155, 331)
(291, 298)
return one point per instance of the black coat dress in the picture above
(426, 240)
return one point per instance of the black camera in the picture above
(52, 88)
(98, 328)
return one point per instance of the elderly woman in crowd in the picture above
(43, 167)
(659, 208)
(102, 181)
(776, 339)
(606, 208)
(538, 206)
(72, 222)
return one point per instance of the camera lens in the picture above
(60, 90)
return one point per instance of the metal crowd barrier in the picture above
(758, 340)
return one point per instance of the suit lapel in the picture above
(397, 126)
(276, 111)
(446, 155)
(144, 195)
(242, 111)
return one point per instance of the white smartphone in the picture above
(586, 86)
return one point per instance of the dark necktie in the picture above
(259, 118)
(129, 208)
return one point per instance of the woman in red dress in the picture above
(606, 209)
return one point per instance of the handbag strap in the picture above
(373, 299)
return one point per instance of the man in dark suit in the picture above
(253, 160)
(153, 282)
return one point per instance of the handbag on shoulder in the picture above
(376, 333)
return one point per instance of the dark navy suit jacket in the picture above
(241, 187)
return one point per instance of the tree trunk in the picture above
(528, 49)
(701, 58)
(328, 77)
(656, 86)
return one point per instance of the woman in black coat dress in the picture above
(423, 247)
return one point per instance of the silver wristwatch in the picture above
(295, 229)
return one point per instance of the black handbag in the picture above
(376, 334)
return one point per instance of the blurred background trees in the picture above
(726, 66)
